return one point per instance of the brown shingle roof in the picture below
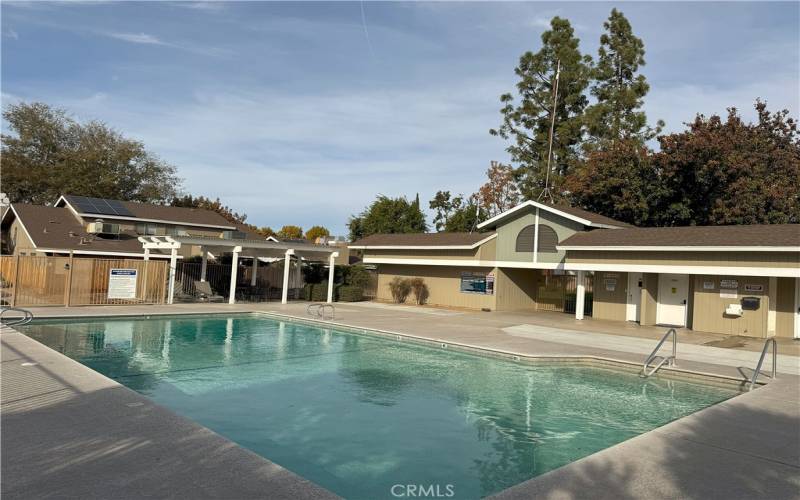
(590, 216)
(421, 239)
(181, 215)
(57, 228)
(764, 235)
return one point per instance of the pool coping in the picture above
(551, 483)
(670, 371)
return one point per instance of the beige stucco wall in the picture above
(784, 308)
(721, 259)
(610, 304)
(443, 285)
(508, 231)
(709, 308)
(516, 289)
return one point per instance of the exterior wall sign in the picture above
(753, 288)
(122, 284)
(611, 284)
(729, 284)
(708, 285)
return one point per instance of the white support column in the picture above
(772, 314)
(580, 296)
(234, 268)
(285, 291)
(146, 253)
(330, 276)
(204, 263)
(255, 271)
(173, 263)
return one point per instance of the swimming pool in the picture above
(361, 414)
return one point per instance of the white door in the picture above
(673, 295)
(633, 309)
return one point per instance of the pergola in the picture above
(240, 248)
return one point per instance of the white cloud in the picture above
(9, 33)
(143, 38)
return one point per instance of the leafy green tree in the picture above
(466, 215)
(317, 232)
(388, 215)
(443, 206)
(49, 153)
(730, 172)
(217, 206)
(526, 122)
(290, 233)
(618, 86)
(618, 181)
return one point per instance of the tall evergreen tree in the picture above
(527, 121)
(618, 86)
(388, 215)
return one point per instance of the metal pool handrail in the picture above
(756, 373)
(664, 359)
(26, 318)
(319, 310)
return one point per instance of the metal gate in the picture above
(558, 292)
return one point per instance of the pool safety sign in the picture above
(122, 284)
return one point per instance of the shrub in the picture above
(308, 290)
(420, 290)
(319, 293)
(348, 293)
(400, 288)
(358, 276)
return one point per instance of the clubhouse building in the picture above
(734, 280)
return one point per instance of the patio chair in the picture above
(203, 291)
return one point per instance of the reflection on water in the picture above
(360, 414)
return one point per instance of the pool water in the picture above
(359, 414)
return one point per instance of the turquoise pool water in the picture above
(360, 414)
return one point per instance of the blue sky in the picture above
(301, 113)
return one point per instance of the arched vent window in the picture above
(525, 239)
(548, 239)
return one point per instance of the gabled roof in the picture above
(589, 219)
(56, 228)
(761, 237)
(429, 241)
(148, 212)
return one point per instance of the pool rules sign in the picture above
(122, 284)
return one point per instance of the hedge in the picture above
(348, 293)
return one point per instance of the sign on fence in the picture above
(122, 284)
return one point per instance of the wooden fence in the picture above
(60, 281)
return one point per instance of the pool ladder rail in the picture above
(669, 360)
(319, 309)
(26, 317)
(757, 372)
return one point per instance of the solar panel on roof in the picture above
(99, 206)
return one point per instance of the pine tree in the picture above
(618, 86)
(527, 121)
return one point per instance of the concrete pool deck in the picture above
(68, 431)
